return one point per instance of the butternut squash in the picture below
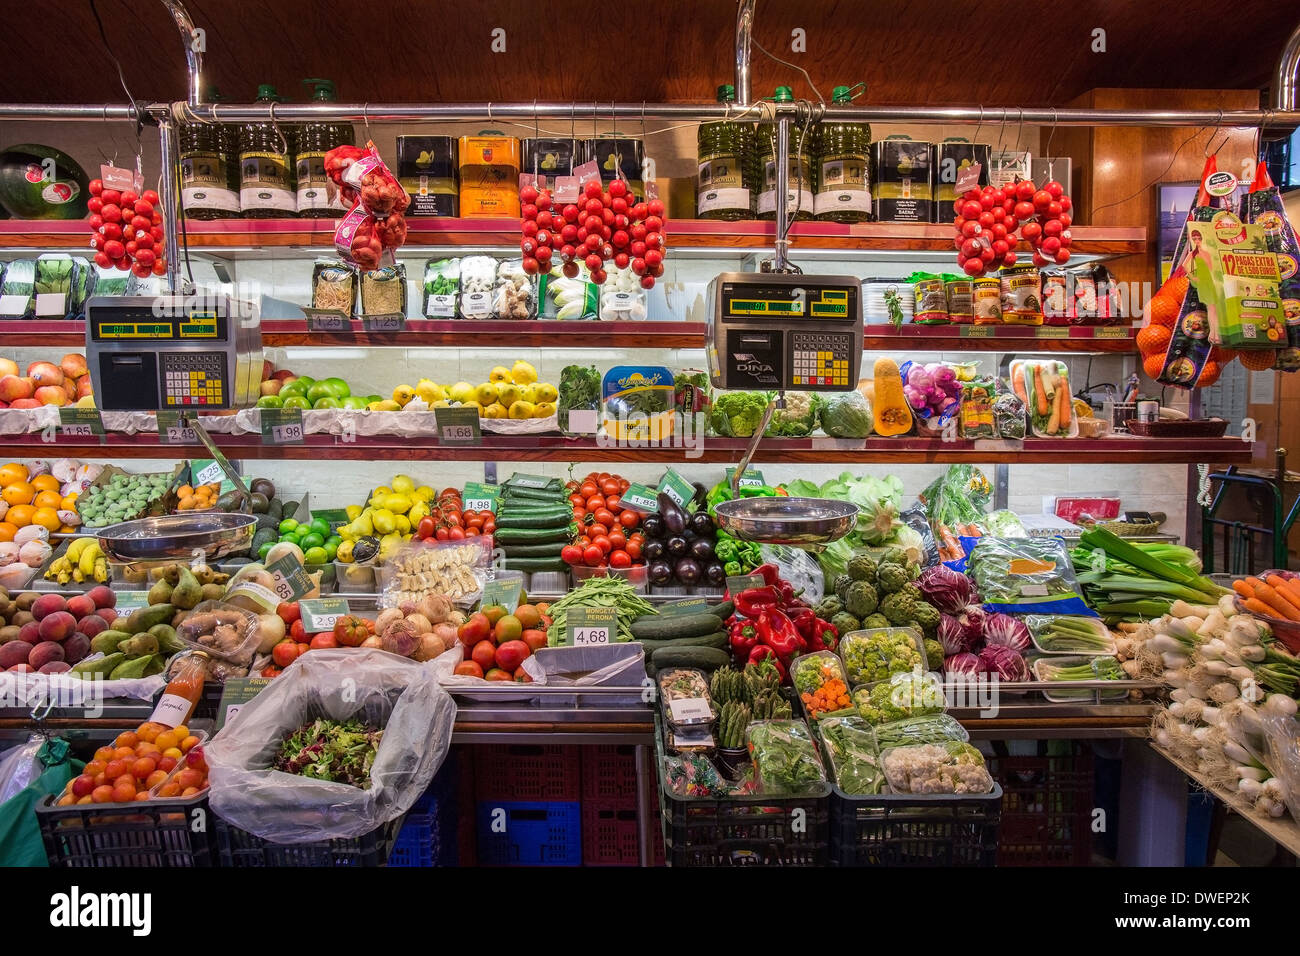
(890, 410)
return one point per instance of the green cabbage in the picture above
(847, 415)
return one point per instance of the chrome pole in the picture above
(744, 29)
(193, 53)
(781, 261)
(167, 191)
(68, 112)
(1286, 81)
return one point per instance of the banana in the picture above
(100, 571)
(78, 576)
(89, 554)
(77, 546)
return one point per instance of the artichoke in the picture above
(841, 587)
(891, 577)
(862, 567)
(927, 617)
(899, 609)
(829, 607)
(844, 622)
(894, 556)
(874, 621)
(861, 599)
(912, 590)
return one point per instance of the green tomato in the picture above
(288, 526)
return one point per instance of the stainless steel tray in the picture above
(810, 523)
(178, 536)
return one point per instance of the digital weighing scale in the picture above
(148, 353)
(778, 331)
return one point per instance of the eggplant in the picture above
(715, 573)
(674, 517)
(653, 526)
(654, 550)
(702, 550)
(688, 571)
(700, 498)
(702, 524)
(677, 546)
(661, 572)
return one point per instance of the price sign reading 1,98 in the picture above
(282, 426)
(592, 626)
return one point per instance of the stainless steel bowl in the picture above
(178, 536)
(810, 523)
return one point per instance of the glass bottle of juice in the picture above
(844, 149)
(183, 691)
(265, 175)
(799, 183)
(725, 187)
(314, 141)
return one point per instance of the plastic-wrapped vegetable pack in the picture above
(622, 298)
(785, 758)
(569, 299)
(874, 655)
(852, 755)
(926, 729)
(952, 766)
(900, 697)
(441, 288)
(1026, 575)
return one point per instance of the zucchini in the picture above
(716, 639)
(534, 494)
(533, 565)
(508, 536)
(723, 610)
(705, 658)
(665, 627)
(532, 509)
(545, 550)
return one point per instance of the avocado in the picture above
(259, 503)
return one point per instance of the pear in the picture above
(160, 593)
(188, 592)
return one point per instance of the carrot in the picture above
(1039, 393)
(1259, 607)
(1292, 585)
(1254, 582)
(1066, 400)
(1054, 423)
(1244, 589)
(1018, 383)
(1282, 607)
(1279, 584)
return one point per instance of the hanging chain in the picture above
(1204, 498)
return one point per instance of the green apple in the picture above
(327, 401)
(296, 387)
(355, 402)
(318, 391)
(270, 401)
(296, 401)
(340, 387)
(306, 381)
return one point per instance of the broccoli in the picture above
(895, 555)
(862, 567)
(738, 414)
(933, 655)
(891, 578)
(861, 599)
(829, 607)
(844, 622)
(873, 621)
(899, 609)
(927, 617)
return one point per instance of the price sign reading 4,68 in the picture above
(592, 626)
(281, 426)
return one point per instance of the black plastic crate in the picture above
(1047, 806)
(239, 848)
(904, 829)
(146, 833)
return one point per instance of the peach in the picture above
(73, 365)
(45, 373)
(81, 605)
(58, 626)
(272, 386)
(103, 596)
(48, 604)
(30, 632)
(8, 367)
(45, 652)
(76, 647)
(13, 388)
(4, 404)
(25, 403)
(92, 625)
(23, 668)
(14, 653)
(51, 395)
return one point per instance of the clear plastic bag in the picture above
(873, 655)
(333, 286)
(399, 696)
(383, 291)
(222, 631)
(785, 758)
(1009, 415)
(441, 288)
(851, 755)
(1026, 575)
(454, 569)
(19, 766)
(622, 298)
(902, 696)
(949, 767)
(569, 299)
(798, 568)
(926, 729)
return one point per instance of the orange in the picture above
(184, 491)
(7, 530)
(12, 472)
(47, 518)
(1165, 309)
(1176, 288)
(1153, 365)
(21, 515)
(1210, 372)
(186, 503)
(46, 483)
(1153, 338)
(18, 493)
(69, 503)
(49, 499)
(1258, 360)
(68, 529)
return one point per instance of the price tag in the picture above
(566, 189)
(14, 306)
(968, 178)
(235, 693)
(689, 710)
(320, 614)
(592, 626)
(115, 177)
(51, 305)
(282, 426)
(1052, 332)
(128, 601)
(327, 320)
(975, 331)
(586, 171)
(688, 606)
(205, 471)
(529, 481)
(1111, 332)
(457, 426)
(742, 582)
(480, 497)
(170, 430)
(389, 322)
(290, 579)
(334, 517)
(81, 423)
(752, 478)
(584, 421)
(640, 498)
(504, 591)
(677, 488)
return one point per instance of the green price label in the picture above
(289, 577)
(334, 517)
(130, 600)
(591, 626)
(689, 606)
(640, 498)
(235, 693)
(480, 497)
(677, 488)
(457, 426)
(205, 471)
(975, 331)
(752, 478)
(81, 423)
(1052, 332)
(282, 426)
(171, 431)
(743, 582)
(529, 481)
(320, 614)
(504, 591)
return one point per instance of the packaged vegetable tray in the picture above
(873, 655)
(851, 755)
(1025, 576)
(785, 758)
(902, 696)
(1048, 669)
(441, 288)
(820, 683)
(926, 729)
(1044, 387)
(685, 693)
(1070, 634)
(952, 766)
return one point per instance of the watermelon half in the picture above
(41, 182)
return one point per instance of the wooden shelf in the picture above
(626, 335)
(1115, 450)
(233, 234)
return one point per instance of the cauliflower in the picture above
(845, 622)
(798, 418)
(927, 618)
(949, 767)
(862, 567)
(860, 599)
(891, 577)
(737, 414)
(899, 609)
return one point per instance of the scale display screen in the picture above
(810, 301)
(111, 325)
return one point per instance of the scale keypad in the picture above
(820, 358)
(193, 378)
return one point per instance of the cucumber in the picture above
(717, 639)
(534, 509)
(545, 550)
(511, 493)
(705, 658)
(505, 537)
(664, 627)
(723, 610)
(534, 520)
(533, 565)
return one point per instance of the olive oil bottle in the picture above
(725, 187)
(209, 163)
(314, 141)
(265, 174)
(843, 164)
(798, 185)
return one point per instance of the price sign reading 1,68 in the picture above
(457, 426)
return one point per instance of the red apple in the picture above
(51, 395)
(44, 373)
(13, 388)
(73, 365)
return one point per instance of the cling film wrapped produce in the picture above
(441, 288)
(1044, 387)
(1025, 575)
(851, 755)
(785, 758)
(383, 291)
(569, 299)
(952, 766)
(334, 286)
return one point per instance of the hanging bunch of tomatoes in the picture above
(609, 535)
(126, 230)
(448, 520)
(991, 221)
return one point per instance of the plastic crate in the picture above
(463, 757)
(535, 833)
(148, 833)
(609, 775)
(610, 835)
(904, 829)
(527, 772)
(1046, 808)
(428, 836)
(239, 848)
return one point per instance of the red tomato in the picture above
(593, 557)
(623, 485)
(617, 539)
(324, 640)
(619, 559)
(269, 671)
(426, 528)
(296, 630)
(596, 503)
(606, 517)
(603, 543)
(609, 487)
(351, 630)
(456, 534)
(469, 669)
(442, 534)
(587, 489)
(497, 673)
(522, 676)
(577, 499)
(284, 653)
(595, 529)
(288, 612)
(484, 654)
(468, 514)
(303, 648)
(488, 526)
(571, 554)
(629, 519)
(614, 503)
(634, 550)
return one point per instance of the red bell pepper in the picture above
(744, 638)
(778, 632)
(763, 653)
(769, 572)
(753, 601)
(804, 618)
(826, 637)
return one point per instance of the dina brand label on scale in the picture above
(591, 626)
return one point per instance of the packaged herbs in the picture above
(383, 291)
(333, 286)
(785, 758)
(441, 288)
(340, 751)
(851, 755)
(579, 391)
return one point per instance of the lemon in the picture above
(508, 394)
(380, 491)
(403, 394)
(425, 493)
(474, 405)
(499, 374)
(418, 510)
(403, 524)
(397, 504)
(495, 410)
(440, 403)
(386, 405)
(521, 373)
(344, 553)
(429, 390)
(545, 392)
(544, 410)
(353, 512)
(403, 484)
(364, 524)
(461, 392)
(385, 521)
(521, 409)
(486, 394)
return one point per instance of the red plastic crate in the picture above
(1047, 804)
(528, 773)
(609, 775)
(609, 834)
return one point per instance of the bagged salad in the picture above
(926, 729)
(1026, 575)
(569, 299)
(851, 755)
(1044, 387)
(441, 288)
(785, 758)
(622, 298)
(17, 289)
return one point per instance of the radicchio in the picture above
(952, 635)
(965, 663)
(972, 620)
(1006, 631)
(1003, 661)
(948, 590)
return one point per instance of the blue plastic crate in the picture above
(536, 834)
(428, 837)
